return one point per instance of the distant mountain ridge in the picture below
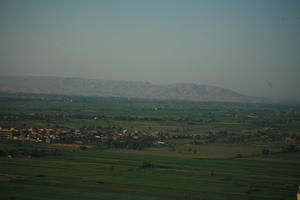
(130, 89)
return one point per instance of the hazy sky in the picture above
(250, 46)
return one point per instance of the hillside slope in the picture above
(130, 89)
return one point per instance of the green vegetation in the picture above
(132, 174)
(202, 151)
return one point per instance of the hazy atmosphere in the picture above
(149, 99)
(249, 46)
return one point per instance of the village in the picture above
(81, 136)
(131, 139)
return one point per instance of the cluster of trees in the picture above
(231, 137)
(286, 149)
(146, 165)
(127, 143)
(35, 116)
(291, 148)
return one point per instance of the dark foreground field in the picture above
(133, 174)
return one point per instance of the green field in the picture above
(231, 166)
(129, 174)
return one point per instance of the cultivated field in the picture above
(208, 150)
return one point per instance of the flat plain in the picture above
(213, 150)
